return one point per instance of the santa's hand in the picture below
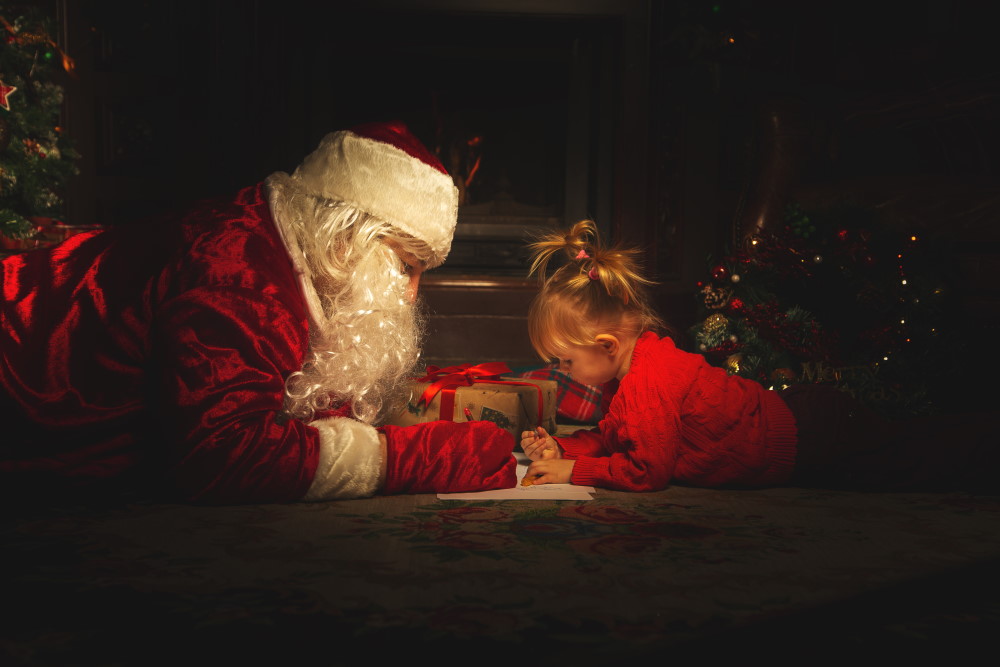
(550, 471)
(539, 445)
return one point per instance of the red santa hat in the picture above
(382, 169)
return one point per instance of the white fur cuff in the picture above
(349, 460)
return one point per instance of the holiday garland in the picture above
(833, 296)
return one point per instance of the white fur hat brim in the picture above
(386, 182)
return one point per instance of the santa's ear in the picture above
(608, 343)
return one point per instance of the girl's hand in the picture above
(539, 445)
(550, 471)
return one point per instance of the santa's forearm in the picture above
(357, 460)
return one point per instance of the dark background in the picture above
(675, 124)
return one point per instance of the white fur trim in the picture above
(349, 460)
(298, 260)
(386, 182)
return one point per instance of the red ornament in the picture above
(720, 272)
(5, 92)
(736, 306)
(843, 235)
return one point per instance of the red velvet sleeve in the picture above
(226, 352)
(230, 327)
(158, 351)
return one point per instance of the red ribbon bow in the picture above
(454, 376)
(447, 379)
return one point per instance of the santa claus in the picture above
(246, 351)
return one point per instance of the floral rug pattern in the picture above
(621, 574)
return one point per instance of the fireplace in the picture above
(513, 103)
(539, 108)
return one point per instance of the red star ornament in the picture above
(5, 91)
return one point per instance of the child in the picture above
(670, 417)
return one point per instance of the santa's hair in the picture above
(366, 336)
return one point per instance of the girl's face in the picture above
(590, 364)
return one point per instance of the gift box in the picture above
(481, 392)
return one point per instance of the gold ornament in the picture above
(715, 324)
(733, 362)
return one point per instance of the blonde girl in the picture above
(670, 417)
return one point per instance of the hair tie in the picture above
(592, 274)
(582, 255)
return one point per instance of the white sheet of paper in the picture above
(534, 492)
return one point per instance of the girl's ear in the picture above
(608, 343)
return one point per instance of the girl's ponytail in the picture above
(615, 269)
(572, 241)
(595, 290)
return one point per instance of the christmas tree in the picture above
(35, 157)
(835, 296)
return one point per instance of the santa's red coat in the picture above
(158, 347)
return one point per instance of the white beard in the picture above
(366, 349)
(365, 334)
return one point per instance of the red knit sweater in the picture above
(674, 417)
